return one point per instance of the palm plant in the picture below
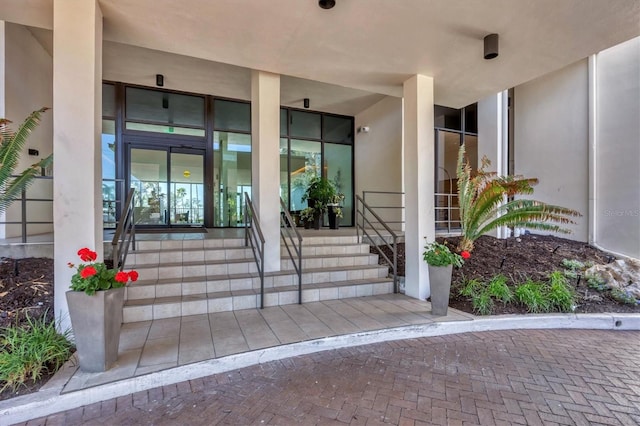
(11, 145)
(484, 204)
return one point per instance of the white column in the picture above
(265, 161)
(493, 139)
(419, 181)
(77, 111)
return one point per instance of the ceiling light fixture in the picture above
(326, 4)
(306, 102)
(491, 44)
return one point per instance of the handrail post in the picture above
(24, 215)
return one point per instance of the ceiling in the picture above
(372, 46)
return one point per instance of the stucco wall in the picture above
(378, 153)
(29, 86)
(617, 207)
(551, 139)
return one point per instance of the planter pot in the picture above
(440, 282)
(317, 218)
(96, 322)
(334, 221)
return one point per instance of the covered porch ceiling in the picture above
(368, 45)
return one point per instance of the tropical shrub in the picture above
(29, 351)
(11, 145)
(485, 204)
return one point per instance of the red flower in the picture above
(122, 277)
(87, 272)
(87, 255)
(133, 276)
(465, 254)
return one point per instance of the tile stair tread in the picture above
(188, 249)
(221, 294)
(255, 274)
(242, 260)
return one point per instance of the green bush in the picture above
(29, 351)
(623, 297)
(498, 289)
(482, 303)
(532, 295)
(561, 297)
(471, 287)
(573, 264)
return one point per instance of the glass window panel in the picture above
(109, 204)
(338, 129)
(232, 177)
(447, 118)
(148, 177)
(306, 163)
(172, 130)
(305, 124)
(471, 118)
(338, 166)
(164, 107)
(283, 122)
(447, 147)
(108, 100)
(187, 189)
(231, 115)
(284, 171)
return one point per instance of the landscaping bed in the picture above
(527, 257)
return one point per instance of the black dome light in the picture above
(326, 4)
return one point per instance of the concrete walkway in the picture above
(160, 385)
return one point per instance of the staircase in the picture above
(191, 277)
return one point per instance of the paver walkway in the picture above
(580, 377)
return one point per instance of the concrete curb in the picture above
(50, 398)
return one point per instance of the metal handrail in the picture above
(253, 235)
(394, 248)
(23, 222)
(125, 234)
(287, 224)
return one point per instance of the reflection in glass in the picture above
(447, 147)
(164, 107)
(305, 124)
(231, 115)
(187, 189)
(284, 171)
(232, 177)
(338, 129)
(305, 164)
(148, 170)
(337, 160)
(109, 203)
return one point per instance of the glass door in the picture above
(169, 185)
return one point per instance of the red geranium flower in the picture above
(465, 254)
(122, 277)
(87, 255)
(133, 276)
(87, 272)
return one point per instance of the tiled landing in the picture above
(156, 345)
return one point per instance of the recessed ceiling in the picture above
(370, 45)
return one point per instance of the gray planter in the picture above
(440, 282)
(96, 322)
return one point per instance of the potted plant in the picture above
(95, 307)
(307, 216)
(441, 262)
(334, 210)
(319, 194)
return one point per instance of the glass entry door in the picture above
(169, 184)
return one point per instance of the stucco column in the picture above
(265, 161)
(493, 139)
(419, 181)
(77, 111)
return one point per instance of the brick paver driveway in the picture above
(508, 377)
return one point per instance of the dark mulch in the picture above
(529, 256)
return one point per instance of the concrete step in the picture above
(174, 306)
(198, 284)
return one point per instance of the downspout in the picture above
(502, 160)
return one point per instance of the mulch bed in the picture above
(529, 256)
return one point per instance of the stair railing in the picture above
(253, 236)
(363, 224)
(295, 250)
(125, 235)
